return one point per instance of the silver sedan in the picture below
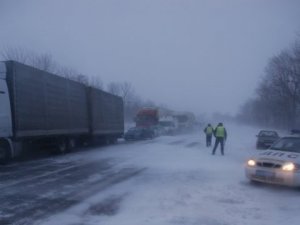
(280, 164)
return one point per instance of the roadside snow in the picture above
(185, 184)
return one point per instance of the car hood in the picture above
(279, 155)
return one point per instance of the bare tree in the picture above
(17, 54)
(114, 88)
(95, 81)
(132, 103)
(124, 90)
(127, 91)
(278, 95)
(67, 72)
(81, 78)
(42, 61)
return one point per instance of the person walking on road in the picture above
(209, 132)
(221, 134)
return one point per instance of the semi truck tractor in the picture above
(38, 108)
(172, 121)
(158, 118)
(147, 117)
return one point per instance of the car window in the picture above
(268, 134)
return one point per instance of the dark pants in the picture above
(221, 141)
(208, 140)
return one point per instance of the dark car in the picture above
(266, 138)
(139, 133)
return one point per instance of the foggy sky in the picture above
(197, 55)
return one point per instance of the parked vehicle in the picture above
(147, 117)
(173, 122)
(186, 121)
(266, 138)
(169, 126)
(139, 133)
(40, 108)
(162, 120)
(157, 130)
(277, 165)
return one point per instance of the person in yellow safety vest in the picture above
(209, 132)
(221, 134)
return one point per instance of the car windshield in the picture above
(268, 134)
(287, 144)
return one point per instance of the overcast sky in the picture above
(196, 55)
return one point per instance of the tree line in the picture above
(277, 100)
(132, 102)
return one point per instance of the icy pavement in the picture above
(168, 180)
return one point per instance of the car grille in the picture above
(268, 179)
(268, 165)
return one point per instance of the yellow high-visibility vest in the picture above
(220, 132)
(209, 130)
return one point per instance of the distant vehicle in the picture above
(139, 133)
(169, 127)
(158, 130)
(40, 108)
(186, 121)
(174, 122)
(156, 119)
(147, 117)
(280, 164)
(266, 138)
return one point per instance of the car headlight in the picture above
(251, 162)
(288, 166)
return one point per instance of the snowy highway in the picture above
(167, 180)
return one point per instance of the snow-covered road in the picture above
(168, 180)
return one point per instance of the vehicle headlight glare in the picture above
(251, 162)
(288, 167)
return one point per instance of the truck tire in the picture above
(4, 155)
(114, 140)
(71, 144)
(62, 146)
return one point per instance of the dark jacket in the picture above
(206, 130)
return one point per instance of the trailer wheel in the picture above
(4, 155)
(71, 144)
(62, 146)
(114, 140)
